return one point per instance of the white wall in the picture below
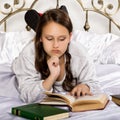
(97, 22)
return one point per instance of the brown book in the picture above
(116, 99)
(83, 103)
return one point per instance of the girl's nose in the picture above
(55, 44)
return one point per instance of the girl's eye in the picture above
(62, 39)
(49, 39)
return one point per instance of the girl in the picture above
(52, 62)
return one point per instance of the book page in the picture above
(53, 101)
(100, 98)
(62, 97)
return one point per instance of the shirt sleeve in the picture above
(87, 75)
(28, 79)
(83, 67)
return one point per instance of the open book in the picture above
(83, 103)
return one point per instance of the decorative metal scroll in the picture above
(103, 7)
(15, 7)
(107, 9)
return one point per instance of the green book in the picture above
(37, 111)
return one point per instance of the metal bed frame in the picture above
(105, 9)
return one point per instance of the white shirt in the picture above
(30, 82)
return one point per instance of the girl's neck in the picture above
(62, 59)
(62, 68)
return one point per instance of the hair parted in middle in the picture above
(62, 18)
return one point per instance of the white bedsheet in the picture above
(105, 69)
(108, 75)
(111, 112)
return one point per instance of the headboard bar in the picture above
(57, 5)
(86, 26)
(110, 25)
(32, 5)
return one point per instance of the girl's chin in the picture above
(54, 55)
(59, 56)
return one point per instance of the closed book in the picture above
(40, 112)
(116, 99)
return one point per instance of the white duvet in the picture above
(9, 98)
(111, 112)
(109, 78)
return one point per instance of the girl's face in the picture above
(55, 39)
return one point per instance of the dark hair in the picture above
(41, 66)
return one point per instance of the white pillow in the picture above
(8, 84)
(94, 43)
(11, 44)
(111, 55)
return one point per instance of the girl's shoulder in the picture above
(77, 49)
(29, 48)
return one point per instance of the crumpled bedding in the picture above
(10, 99)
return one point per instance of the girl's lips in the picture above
(55, 51)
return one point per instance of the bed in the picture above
(102, 45)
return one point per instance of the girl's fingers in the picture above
(73, 92)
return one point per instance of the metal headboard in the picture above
(13, 10)
(103, 10)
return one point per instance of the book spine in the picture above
(25, 115)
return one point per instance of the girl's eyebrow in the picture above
(62, 35)
(55, 36)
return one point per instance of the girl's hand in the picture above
(80, 90)
(54, 67)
